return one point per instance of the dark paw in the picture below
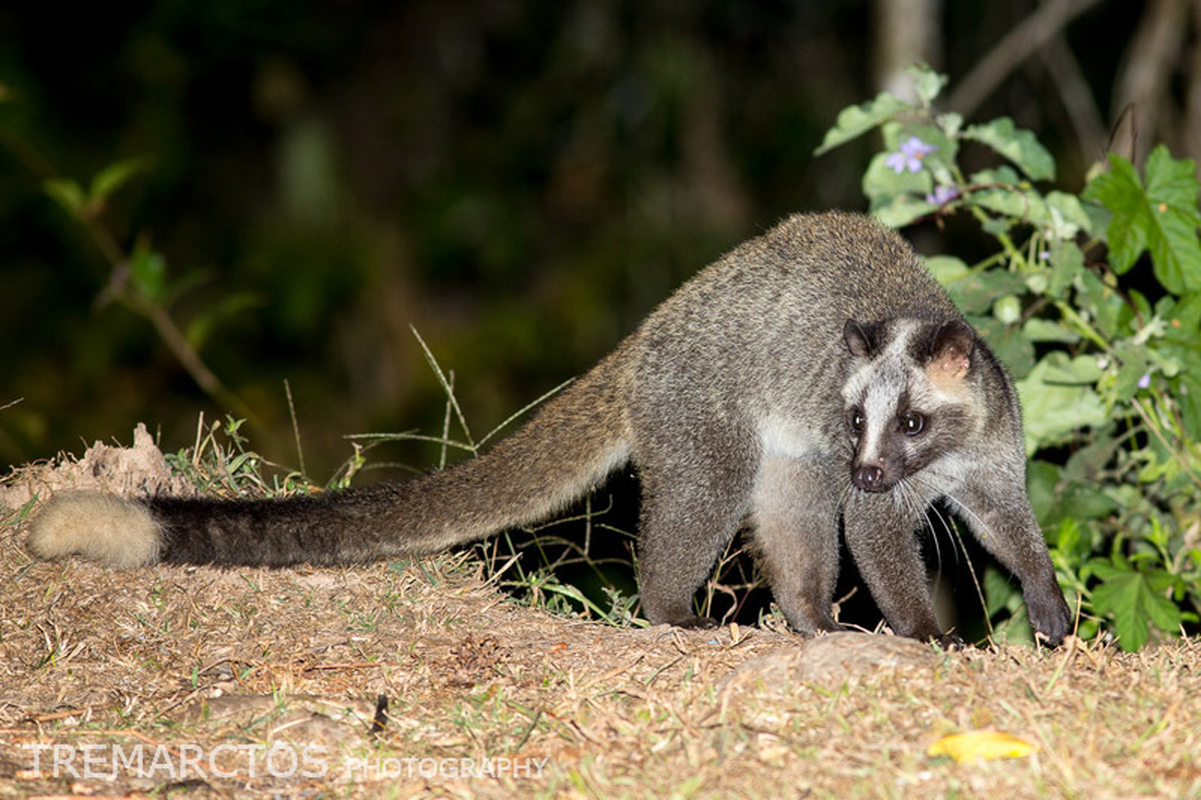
(695, 623)
(1050, 617)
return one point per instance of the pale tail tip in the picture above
(101, 527)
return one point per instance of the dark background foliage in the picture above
(521, 181)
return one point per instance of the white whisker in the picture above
(982, 529)
(934, 494)
(920, 507)
(846, 491)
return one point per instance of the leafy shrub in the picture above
(1109, 374)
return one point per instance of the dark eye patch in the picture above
(945, 432)
(912, 422)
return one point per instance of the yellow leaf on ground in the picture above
(981, 745)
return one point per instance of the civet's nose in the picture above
(869, 478)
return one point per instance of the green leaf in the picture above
(1042, 478)
(1105, 304)
(1008, 344)
(1172, 190)
(940, 161)
(974, 292)
(854, 121)
(946, 269)
(882, 182)
(1084, 465)
(1068, 216)
(1137, 318)
(1080, 502)
(67, 193)
(1019, 146)
(1014, 629)
(950, 122)
(1121, 191)
(1005, 175)
(896, 197)
(999, 593)
(1173, 181)
(1188, 395)
(1069, 541)
(1078, 370)
(1053, 411)
(113, 177)
(1158, 463)
(148, 270)
(1013, 202)
(1135, 363)
(1003, 191)
(1045, 330)
(1184, 319)
(900, 210)
(927, 83)
(1161, 218)
(1066, 263)
(1131, 599)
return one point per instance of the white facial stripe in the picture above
(879, 406)
(894, 353)
(869, 445)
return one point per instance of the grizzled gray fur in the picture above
(815, 377)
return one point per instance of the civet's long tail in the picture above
(572, 443)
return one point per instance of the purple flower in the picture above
(1144, 381)
(942, 195)
(909, 155)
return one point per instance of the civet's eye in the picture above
(856, 420)
(912, 423)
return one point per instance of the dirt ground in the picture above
(420, 679)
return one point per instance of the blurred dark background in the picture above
(521, 181)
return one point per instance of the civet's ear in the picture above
(950, 351)
(862, 338)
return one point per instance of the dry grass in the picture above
(208, 665)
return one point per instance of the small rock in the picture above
(833, 658)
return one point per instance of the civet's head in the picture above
(908, 399)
